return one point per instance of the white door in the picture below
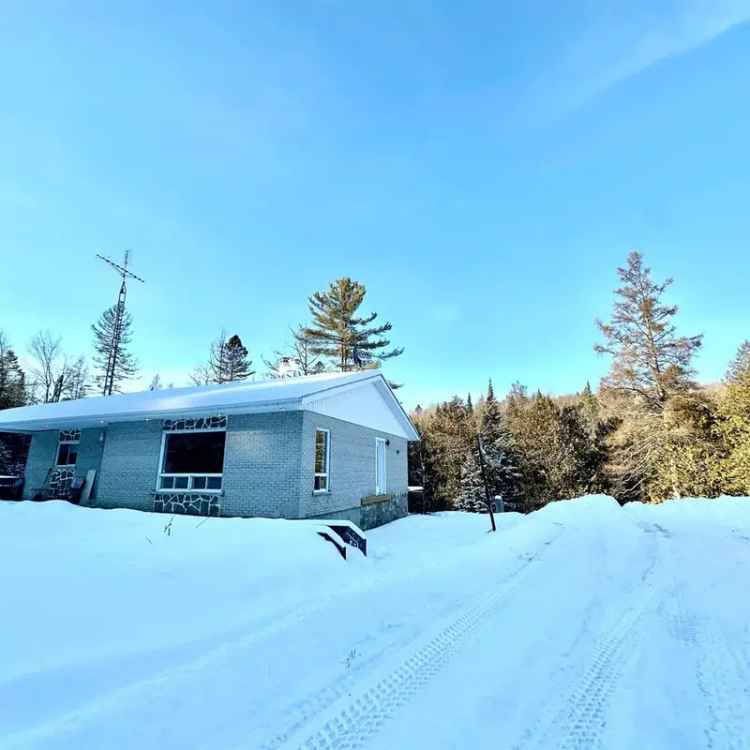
(381, 482)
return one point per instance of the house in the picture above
(323, 446)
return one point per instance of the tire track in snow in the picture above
(337, 718)
(720, 669)
(581, 722)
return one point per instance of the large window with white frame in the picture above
(192, 461)
(321, 482)
(67, 447)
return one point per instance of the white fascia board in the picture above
(101, 420)
(399, 411)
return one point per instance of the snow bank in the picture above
(83, 584)
(585, 509)
(728, 511)
(124, 629)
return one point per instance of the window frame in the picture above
(67, 441)
(384, 489)
(327, 473)
(191, 476)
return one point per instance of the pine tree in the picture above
(228, 362)
(238, 362)
(740, 364)
(649, 360)
(556, 455)
(590, 408)
(734, 427)
(108, 346)
(447, 437)
(651, 366)
(501, 464)
(471, 496)
(12, 377)
(337, 333)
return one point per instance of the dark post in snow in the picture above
(487, 497)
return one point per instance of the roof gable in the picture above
(370, 404)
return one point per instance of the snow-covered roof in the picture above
(359, 397)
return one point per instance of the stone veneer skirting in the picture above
(190, 504)
(378, 513)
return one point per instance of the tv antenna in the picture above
(114, 349)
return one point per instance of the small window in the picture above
(192, 461)
(322, 459)
(67, 449)
(381, 481)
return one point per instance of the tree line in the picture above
(649, 433)
(338, 337)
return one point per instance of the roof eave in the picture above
(101, 420)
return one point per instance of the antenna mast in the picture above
(114, 349)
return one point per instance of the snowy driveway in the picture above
(581, 626)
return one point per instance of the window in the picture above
(381, 481)
(192, 461)
(67, 448)
(322, 460)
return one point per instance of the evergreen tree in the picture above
(740, 364)
(651, 366)
(125, 364)
(501, 462)
(12, 377)
(238, 362)
(501, 473)
(228, 362)
(449, 437)
(557, 457)
(734, 428)
(471, 496)
(649, 360)
(590, 409)
(338, 333)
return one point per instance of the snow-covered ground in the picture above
(583, 625)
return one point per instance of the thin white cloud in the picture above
(621, 40)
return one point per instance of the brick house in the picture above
(323, 446)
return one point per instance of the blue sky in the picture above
(482, 168)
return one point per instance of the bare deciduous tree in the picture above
(46, 351)
(55, 377)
